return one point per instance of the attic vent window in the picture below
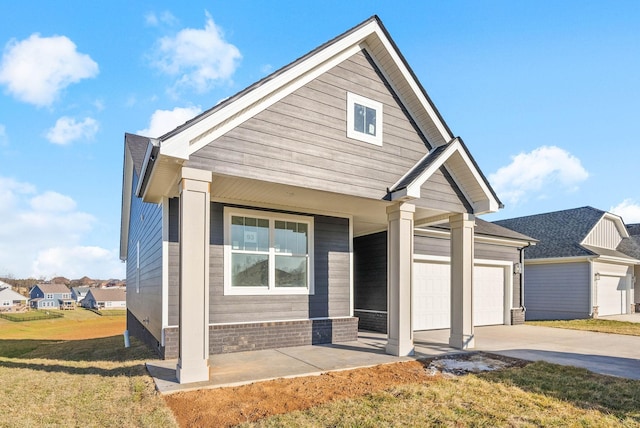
(364, 119)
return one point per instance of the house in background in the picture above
(497, 271)
(50, 296)
(105, 298)
(240, 227)
(631, 247)
(10, 300)
(79, 293)
(579, 269)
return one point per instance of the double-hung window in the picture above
(364, 119)
(268, 253)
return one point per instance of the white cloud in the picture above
(537, 173)
(629, 210)
(67, 130)
(4, 138)
(198, 58)
(166, 18)
(75, 262)
(42, 234)
(163, 121)
(36, 69)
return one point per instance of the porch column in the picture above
(193, 361)
(461, 335)
(399, 279)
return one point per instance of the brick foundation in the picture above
(372, 321)
(517, 316)
(268, 335)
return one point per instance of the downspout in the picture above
(522, 306)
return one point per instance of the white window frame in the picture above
(352, 100)
(271, 289)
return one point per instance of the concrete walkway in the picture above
(609, 354)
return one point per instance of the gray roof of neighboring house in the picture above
(559, 232)
(53, 288)
(109, 294)
(79, 290)
(486, 228)
(634, 229)
(630, 246)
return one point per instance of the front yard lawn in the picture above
(598, 325)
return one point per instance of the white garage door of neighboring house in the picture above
(612, 295)
(432, 295)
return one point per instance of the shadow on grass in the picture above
(129, 371)
(102, 349)
(580, 387)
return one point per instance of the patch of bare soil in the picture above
(226, 407)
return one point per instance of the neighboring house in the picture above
(578, 269)
(10, 300)
(631, 247)
(497, 277)
(79, 293)
(50, 296)
(240, 227)
(105, 298)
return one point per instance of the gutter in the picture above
(522, 306)
(150, 157)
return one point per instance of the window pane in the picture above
(370, 121)
(291, 271)
(249, 234)
(249, 270)
(280, 237)
(301, 239)
(358, 117)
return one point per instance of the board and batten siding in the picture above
(557, 291)
(301, 140)
(605, 235)
(145, 228)
(331, 282)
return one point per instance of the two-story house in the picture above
(50, 296)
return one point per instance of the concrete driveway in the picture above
(610, 354)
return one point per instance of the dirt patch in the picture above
(225, 407)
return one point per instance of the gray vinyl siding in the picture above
(145, 227)
(370, 272)
(557, 291)
(331, 281)
(301, 140)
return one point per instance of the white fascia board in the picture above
(616, 219)
(125, 214)
(486, 239)
(559, 260)
(413, 189)
(413, 84)
(180, 146)
(489, 204)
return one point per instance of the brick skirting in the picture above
(517, 316)
(372, 321)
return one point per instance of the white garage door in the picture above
(432, 295)
(612, 296)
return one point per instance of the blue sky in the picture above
(545, 94)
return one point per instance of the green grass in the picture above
(598, 325)
(539, 394)
(92, 382)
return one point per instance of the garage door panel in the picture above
(612, 296)
(432, 295)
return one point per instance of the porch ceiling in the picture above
(369, 215)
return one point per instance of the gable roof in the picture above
(80, 289)
(561, 233)
(460, 164)
(488, 229)
(108, 294)
(9, 294)
(53, 288)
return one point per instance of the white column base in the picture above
(462, 341)
(395, 348)
(192, 371)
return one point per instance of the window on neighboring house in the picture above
(49, 296)
(364, 119)
(268, 253)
